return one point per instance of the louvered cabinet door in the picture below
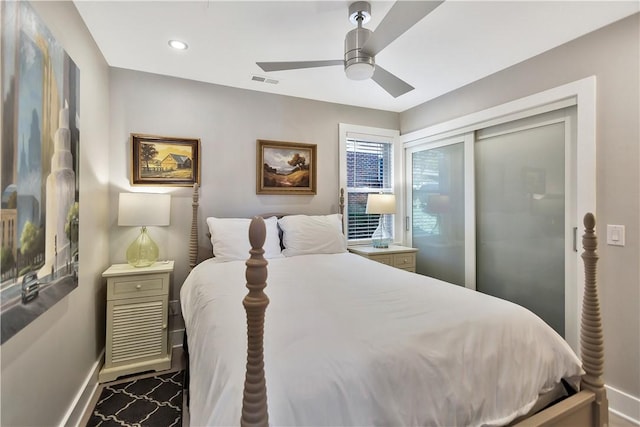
(137, 320)
(138, 329)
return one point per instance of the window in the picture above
(367, 166)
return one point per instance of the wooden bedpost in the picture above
(254, 402)
(341, 205)
(591, 335)
(193, 239)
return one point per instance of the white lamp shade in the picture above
(381, 204)
(142, 209)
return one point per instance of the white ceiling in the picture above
(458, 43)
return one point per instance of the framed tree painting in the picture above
(285, 168)
(161, 160)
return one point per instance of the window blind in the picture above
(369, 170)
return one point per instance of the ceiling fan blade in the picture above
(402, 16)
(294, 65)
(390, 83)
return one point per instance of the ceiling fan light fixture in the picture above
(357, 64)
(359, 71)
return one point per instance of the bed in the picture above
(348, 341)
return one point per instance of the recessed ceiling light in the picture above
(177, 44)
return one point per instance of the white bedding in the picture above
(349, 341)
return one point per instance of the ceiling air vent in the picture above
(264, 80)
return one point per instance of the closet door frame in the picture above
(581, 174)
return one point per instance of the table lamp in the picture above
(142, 210)
(381, 204)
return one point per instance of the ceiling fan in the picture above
(361, 45)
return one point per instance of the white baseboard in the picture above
(83, 398)
(79, 405)
(624, 405)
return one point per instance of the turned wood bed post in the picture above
(254, 401)
(193, 238)
(591, 333)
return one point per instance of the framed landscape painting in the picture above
(161, 160)
(285, 168)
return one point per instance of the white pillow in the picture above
(230, 238)
(312, 234)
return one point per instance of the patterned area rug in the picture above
(153, 402)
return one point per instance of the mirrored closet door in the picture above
(520, 216)
(437, 210)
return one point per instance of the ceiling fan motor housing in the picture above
(357, 64)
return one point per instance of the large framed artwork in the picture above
(39, 174)
(285, 168)
(162, 160)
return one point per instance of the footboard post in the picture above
(591, 335)
(254, 402)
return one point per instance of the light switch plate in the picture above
(615, 235)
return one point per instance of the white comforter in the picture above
(349, 341)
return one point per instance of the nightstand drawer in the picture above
(134, 287)
(404, 261)
(384, 259)
(397, 256)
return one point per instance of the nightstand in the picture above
(402, 257)
(137, 319)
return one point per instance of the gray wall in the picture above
(612, 54)
(46, 364)
(228, 121)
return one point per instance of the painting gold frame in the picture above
(285, 167)
(167, 161)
